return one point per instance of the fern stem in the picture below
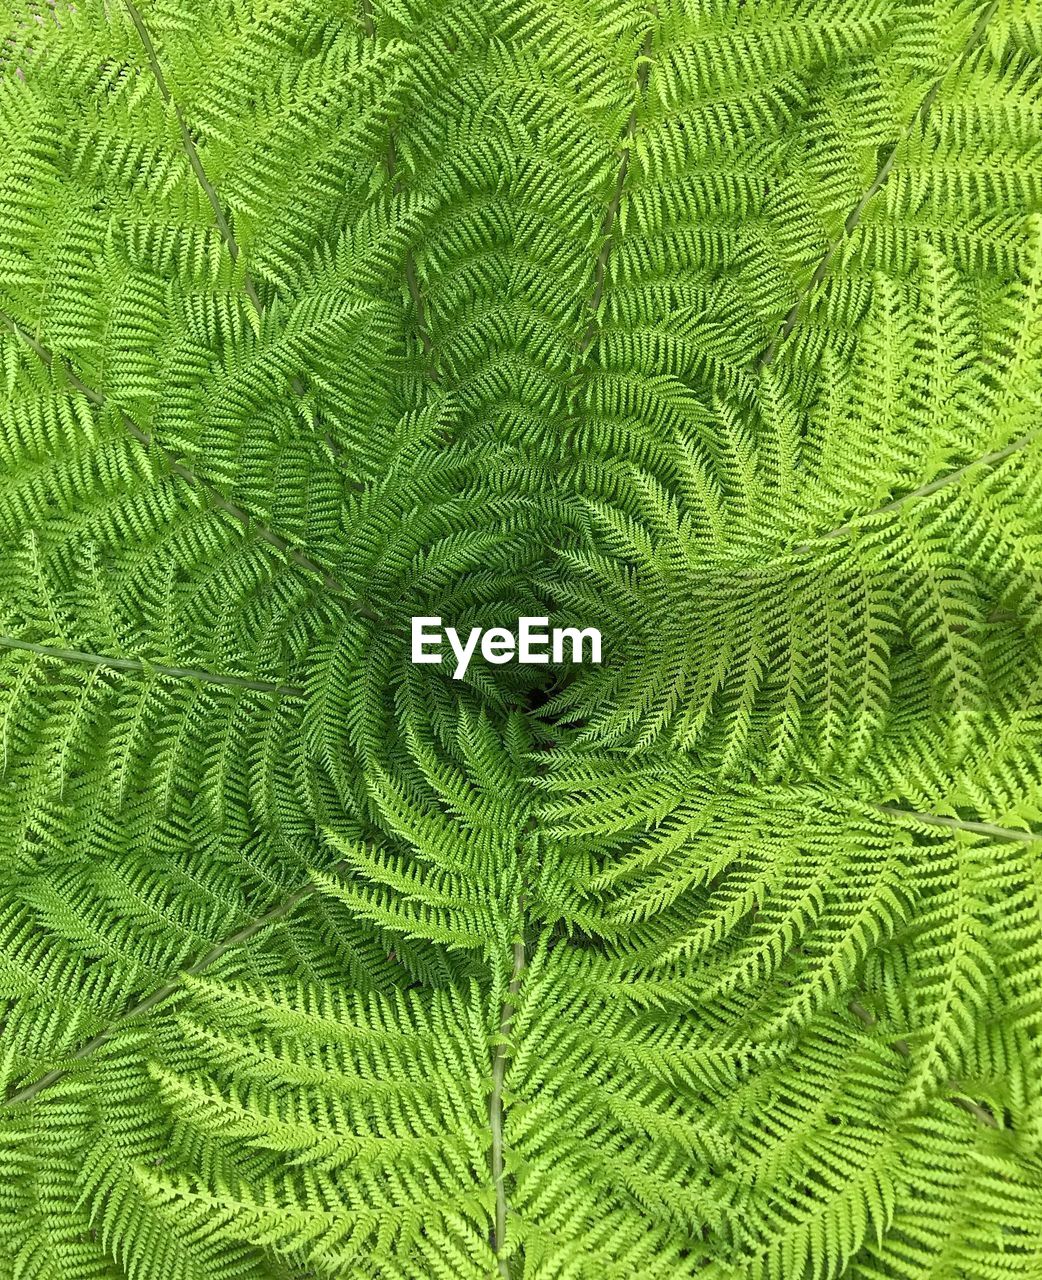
(368, 23)
(608, 237)
(980, 1113)
(853, 218)
(191, 151)
(611, 213)
(208, 189)
(941, 482)
(138, 664)
(419, 306)
(412, 280)
(960, 824)
(172, 988)
(851, 526)
(496, 1114)
(177, 467)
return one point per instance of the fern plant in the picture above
(717, 325)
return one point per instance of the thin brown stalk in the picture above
(980, 1113)
(608, 234)
(611, 212)
(179, 468)
(279, 912)
(852, 526)
(853, 218)
(497, 1111)
(412, 280)
(192, 152)
(209, 191)
(157, 668)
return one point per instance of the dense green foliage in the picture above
(715, 324)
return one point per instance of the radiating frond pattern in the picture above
(716, 325)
